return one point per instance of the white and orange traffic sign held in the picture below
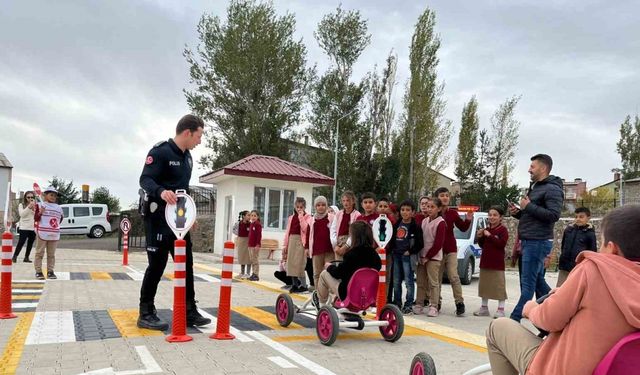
(181, 216)
(37, 191)
(382, 230)
(125, 225)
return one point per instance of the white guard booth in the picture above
(263, 183)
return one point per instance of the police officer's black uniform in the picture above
(166, 167)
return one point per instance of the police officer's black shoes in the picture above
(194, 318)
(149, 319)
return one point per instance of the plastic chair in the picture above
(361, 291)
(623, 358)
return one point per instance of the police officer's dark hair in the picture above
(408, 203)
(361, 234)
(439, 191)
(367, 195)
(582, 210)
(544, 159)
(620, 226)
(189, 122)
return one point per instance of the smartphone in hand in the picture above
(512, 204)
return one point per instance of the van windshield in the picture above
(460, 235)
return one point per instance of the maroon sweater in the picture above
(419, 217)
(368, 218)
(451, 217)
(493, 248)
(321, 237)
(255, 234)
(295, 225)
(243, 229)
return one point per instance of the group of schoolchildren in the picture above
(422, 249)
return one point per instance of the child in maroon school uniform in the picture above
(255, 239)
(492, 240)
(318, 241)
(241, 230)
(368, 203)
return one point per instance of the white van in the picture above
(91, 219)
(469, 252)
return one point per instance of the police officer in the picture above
(167, 169)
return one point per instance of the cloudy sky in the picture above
(87, 87)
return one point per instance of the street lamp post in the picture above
(335, 157)
(619, 171)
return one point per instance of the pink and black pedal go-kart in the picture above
(350, 313)
(622, 359)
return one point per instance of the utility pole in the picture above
(335, 156)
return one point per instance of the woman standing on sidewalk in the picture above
(26, 210)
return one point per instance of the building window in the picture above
(273, 206)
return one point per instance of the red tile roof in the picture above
(262, 166)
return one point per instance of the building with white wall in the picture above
(264, 183)
(5, 177)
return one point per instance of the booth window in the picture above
(274, 206)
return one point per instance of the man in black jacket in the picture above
(577, 237)
(167, 168)
(538, 212)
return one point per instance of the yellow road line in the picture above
(264, 285)
(347, 336)
(100, 276)
(24, 296)
(169, 276)
(13, 351)
(27, 285)
(266, 318)
(126, 321)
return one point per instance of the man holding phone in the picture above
(537, 213)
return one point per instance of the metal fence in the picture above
(204, 198)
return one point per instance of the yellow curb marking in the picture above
(266, 318)
(23, 296)
(126, 322)
(27, 285)
(346, 336)
(100, 276)
(169, 276)
(13, 351)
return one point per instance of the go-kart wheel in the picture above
(393, 331)
(422, 364)
(284, 309)
(327, 325)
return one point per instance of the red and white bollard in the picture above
(5, 276)
(179, 326)
(125, 249)
(224, 306)
(382, 282)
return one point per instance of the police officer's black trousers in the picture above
(160, 243)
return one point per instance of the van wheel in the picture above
(96, 232)
(468, 273)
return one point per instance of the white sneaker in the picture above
(499, 314)
(433, 312)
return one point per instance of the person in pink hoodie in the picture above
(596, 307)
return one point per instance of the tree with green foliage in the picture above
(466, 157)
(628, 147)
(504, 142)
(67, 193)
(102, 195)
(250, 81)
(336, 102)
(425, 132)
